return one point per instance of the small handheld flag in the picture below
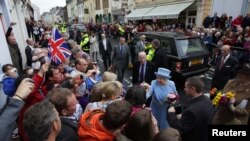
(58, 49)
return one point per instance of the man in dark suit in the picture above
(224, 68)
(193, 121)
(140, 46)
(160, 57)
(29, 51)
(15, 53)
(121, 58)
(105, 49)
(143, 70)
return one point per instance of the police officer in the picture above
(85, 43)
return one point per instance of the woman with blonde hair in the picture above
(108, 76)
(110, 93)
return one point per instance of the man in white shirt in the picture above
(105, 49)
(80, 69)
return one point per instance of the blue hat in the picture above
(162, 72)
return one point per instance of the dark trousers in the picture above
(120, 73)
(106, 59)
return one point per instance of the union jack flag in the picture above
(58, 49)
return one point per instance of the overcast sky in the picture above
(46, 5)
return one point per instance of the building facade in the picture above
(167, 11)
(193, 12)
(14, 11)
(121, 8)
(89, 11)
(47, 17)
(80, 12)
(72, 10)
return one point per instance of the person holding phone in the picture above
(12, 105)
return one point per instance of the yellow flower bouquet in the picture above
(223, 98)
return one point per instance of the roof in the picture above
(168, 34)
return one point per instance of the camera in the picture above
(82, 77)
(178, 109)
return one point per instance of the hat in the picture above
(162, 72)
(245, 69)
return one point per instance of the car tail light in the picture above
(178, 66)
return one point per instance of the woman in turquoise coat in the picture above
(159, 89)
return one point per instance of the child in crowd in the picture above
(9, 79)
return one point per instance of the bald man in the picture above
(143, 70)
(224, 68)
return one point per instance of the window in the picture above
(98, 4)
(86, 11)
(166, 45)
(190, 46)
(105, 4)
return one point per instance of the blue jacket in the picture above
(9, 85)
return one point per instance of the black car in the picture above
(187, 55)
(78, 28)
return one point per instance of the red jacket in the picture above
(237, 22)
(32, 99)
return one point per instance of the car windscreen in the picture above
(80, 27)
(189, 46)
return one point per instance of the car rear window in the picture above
(78, 26)
(189, 46)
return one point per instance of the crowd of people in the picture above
(75, 100)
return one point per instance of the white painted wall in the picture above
(16, 13)
(4, 51)
(116, 5)
(230, 7)
(37, 15)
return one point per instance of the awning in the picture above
(139, 13)
(171, 11)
